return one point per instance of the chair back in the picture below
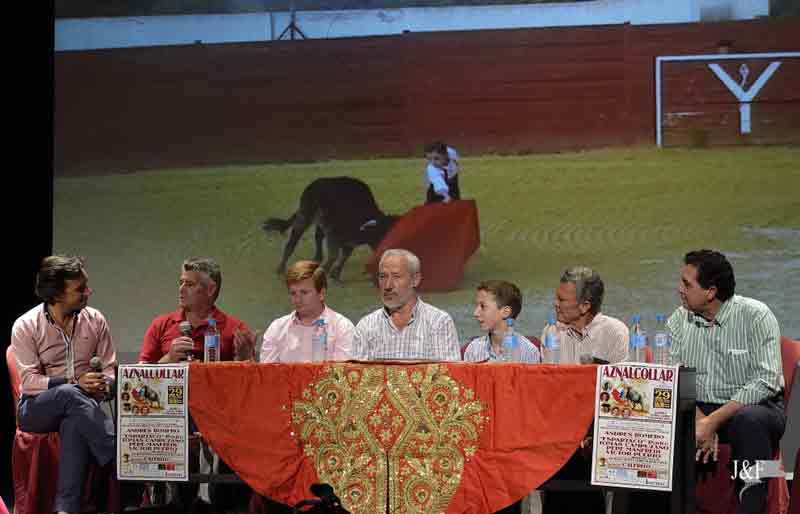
(790, 355)
(13, 376)
(794, 501)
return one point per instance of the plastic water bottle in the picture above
(661, 342)
(638, 340)
(552, 343)
(211, 342)
(511, 348)
(319, 341)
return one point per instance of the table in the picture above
(398, 437)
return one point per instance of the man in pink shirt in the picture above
(288, 338)
(53, 344)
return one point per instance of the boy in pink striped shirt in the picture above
(288, 338)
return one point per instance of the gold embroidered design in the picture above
(414, 425)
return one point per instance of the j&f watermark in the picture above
(755, 470)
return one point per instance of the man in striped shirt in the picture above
(405, 327)
(734, 343)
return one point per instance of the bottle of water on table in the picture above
(211, 342)
(638, 346)
(511, 347)
(552, 343)
(319, 341)
(661, 341)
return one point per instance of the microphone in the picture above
(186, 331)
(96, 365)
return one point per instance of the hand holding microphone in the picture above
(93, 381)
(95, 364)
(182, 347)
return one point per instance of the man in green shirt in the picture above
(734, 343)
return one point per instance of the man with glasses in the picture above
(53, 344)
(584, 331)
(586, 336)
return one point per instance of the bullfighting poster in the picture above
(634, 426)
(152, 422)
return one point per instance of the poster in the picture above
(634, 426)
(152, 422)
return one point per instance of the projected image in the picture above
(258, 155)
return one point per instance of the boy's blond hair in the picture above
(302, 270)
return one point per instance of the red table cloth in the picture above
(432, 437)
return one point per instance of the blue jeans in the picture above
(754, 433)
(84, 430)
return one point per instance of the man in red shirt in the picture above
(198, 290)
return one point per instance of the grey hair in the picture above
(412, 261)
(208, 267)
(588, 285)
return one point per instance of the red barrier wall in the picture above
(501, 90)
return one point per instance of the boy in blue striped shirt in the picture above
(495, 302)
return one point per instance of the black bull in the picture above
(346, 216)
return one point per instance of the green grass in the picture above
(630, 213)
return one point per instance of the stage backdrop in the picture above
(522, 90)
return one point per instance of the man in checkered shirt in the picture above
(405, 327)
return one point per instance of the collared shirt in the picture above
(438, 177)
(480, 349)
(604, 337)
(165, 328)
(46, 357)
(288, 340)
(430, 335)
(737, 355)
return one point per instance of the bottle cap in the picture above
(212, 322)
(636, 318)
(660, 317)
(551, 318)
(510, 322)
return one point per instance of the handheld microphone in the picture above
(186, 331)
(96, 364)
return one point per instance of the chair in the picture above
(794, 502)
(790, 355)
(716, 494)
(34, 463)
